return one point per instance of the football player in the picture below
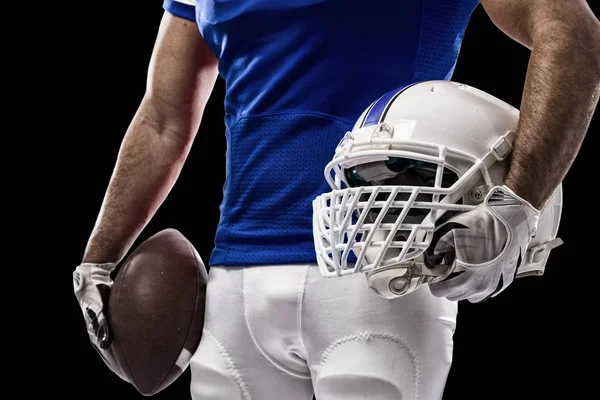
(298, 76)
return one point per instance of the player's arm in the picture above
(561, 89)
(181, 77)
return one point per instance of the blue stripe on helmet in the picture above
(379, 109)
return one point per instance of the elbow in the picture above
(594, 44)
(590, 49)
(177, 123)
(588, 43)
(580, 38)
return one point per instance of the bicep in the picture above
(524, 20)
(182, 73)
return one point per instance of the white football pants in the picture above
(285, 332)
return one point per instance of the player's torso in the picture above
(298, 73)
(301, 54)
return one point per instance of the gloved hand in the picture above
(92, 283)
(487, 246)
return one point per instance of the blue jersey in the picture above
(298, 74)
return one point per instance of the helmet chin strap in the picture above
(398, 280)
(402, 278)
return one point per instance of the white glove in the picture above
(487, 247)
(92, 285)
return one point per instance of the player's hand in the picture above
(487, 246)
(92, 283)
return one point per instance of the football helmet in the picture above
(415, 157)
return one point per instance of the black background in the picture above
(536, 340)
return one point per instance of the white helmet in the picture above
(415, 157)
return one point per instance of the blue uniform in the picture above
(298, 74)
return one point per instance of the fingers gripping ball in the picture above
(156, 310)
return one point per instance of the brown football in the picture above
(156, 310)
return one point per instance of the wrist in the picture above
(102, 251)
(104, 265)
(523, 191)
(506, 188)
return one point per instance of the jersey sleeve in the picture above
(181, 8)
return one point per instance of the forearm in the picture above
(148, 164)
(560, 95)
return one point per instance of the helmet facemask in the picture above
(389, 198)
